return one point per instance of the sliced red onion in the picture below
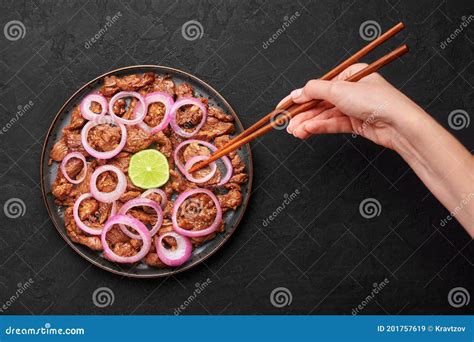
(210, 146)
(77, 219)
(106, 119)
(141, 114)
(183, 102)
(68, 157)
(175, 257)
(86, 111)
(160, 97)
(164, 198)
(136, 225)
(196, 233)
(108, 197)
(142, 202)
(193, 161)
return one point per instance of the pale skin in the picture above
(375, 110)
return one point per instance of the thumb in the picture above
(318, 89)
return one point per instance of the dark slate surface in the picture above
(319, 247)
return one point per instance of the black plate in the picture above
(48, 173)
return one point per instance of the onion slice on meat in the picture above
(164, 198)
(77, 219)
(183, 102)
(140, 114)
(142, 202)
(108, 197)
(193, 161)
(196, 233)
(182, 168)
(106, 119)
(160, 97)
(136, 225)
(86, 111)
(175, 257)
(68, 157)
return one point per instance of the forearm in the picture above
(442, 163)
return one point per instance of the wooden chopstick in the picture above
(295, 110)
(329, 76)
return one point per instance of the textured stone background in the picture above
(320, 247)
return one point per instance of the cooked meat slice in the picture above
(214, 128)
(230, 200)
(179, 183)
(84, 186)
(115, 235)
(237, 165)
(94, 213)
(164, 84)
(125, 249)
(148, 219)
(113, 84)
(197, 212)
(239, 178)
(194, 149)
(77, 235)
(152, 259)
(184, 90)
(74, 167)
(197, 241)
(175, 139)
(168, 210)
(73, 142)
(137, 139)
(189, 116)
(87, 208)
(131, 187)
(121, 160)
(77, 121)
(104, 137)
(107, 181)
(61, 189)
(128, 195)
(59, 150)
(163, 144)
(155, 114)
(219, 114)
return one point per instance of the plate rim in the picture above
(60, 229)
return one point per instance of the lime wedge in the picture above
(148, 169)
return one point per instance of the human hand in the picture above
(371, 107)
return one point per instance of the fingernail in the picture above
(296, 92)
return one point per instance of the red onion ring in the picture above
(123, 94)
(177, 257)
(135, 224)
(160, 97)
(71, 155)
(164, 198)
(77, 219)
(139, 202)
(86, 111)
(210, 146)
(196, 233)
(193, 161)
(106, 119)
(108, 197)
(183, 102)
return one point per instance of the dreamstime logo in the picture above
(192, 207)
(14, 208)
(370, 208)
(281, 120)
(458, 119)
(377, 288)
(280, 297)
(22, 110)
(369, 121)
(14, 30)
(287, 21)
(109, 22)
(458, 297)
(21, 288)
(102, 297)
(192, 30)
(464, 24)
(199, 288)
(457, 209)
(288, 198)
(369, 30)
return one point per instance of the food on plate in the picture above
(123, 175)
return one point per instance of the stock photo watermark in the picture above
(21, 110)
(47, 329)
(14, 208)
(377, 288)
(287, 22)
(465, 22)
(459, 119)
(370, 208)
(459, 297)
(288, 198)
(369, 30)
(21, 288)
(192, 30)
(14, 30)
(281, 297)
(110, 21)
(457, 209)
(369, 121)
(199, 288)
(103, 297)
